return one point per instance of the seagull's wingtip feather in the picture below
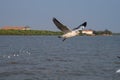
(84, 24)
(54, 18)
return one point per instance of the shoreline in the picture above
(43, 33)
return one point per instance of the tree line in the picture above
(105, 32)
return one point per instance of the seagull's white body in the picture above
(70, 34)
(67, 32)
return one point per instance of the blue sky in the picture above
(38, 14)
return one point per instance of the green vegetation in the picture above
(45, 32)
(28, 32)
(105, 32)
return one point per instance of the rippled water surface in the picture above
(48, 58)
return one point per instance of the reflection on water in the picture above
(48, 58)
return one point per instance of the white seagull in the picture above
(67, 32)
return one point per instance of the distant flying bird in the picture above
(67, 32)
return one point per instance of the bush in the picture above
(105, 32)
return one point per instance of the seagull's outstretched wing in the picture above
(83, 25)
(60, 26)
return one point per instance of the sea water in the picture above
(49, 58)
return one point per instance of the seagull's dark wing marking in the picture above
(61, 26)
(82, 25)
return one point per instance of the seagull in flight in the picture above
(68, 33)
